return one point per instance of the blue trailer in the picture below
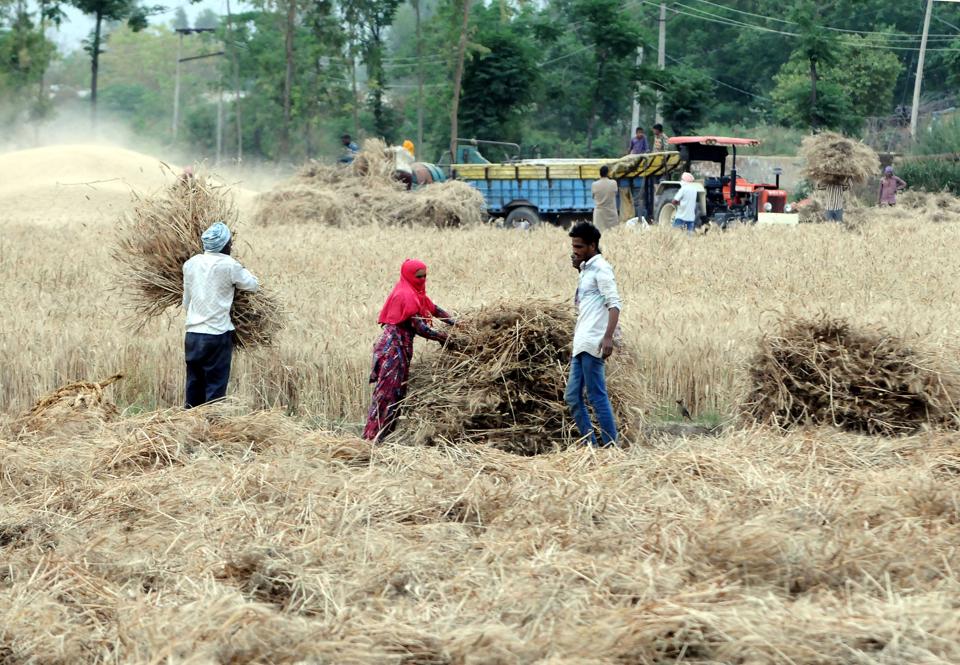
(554, 190)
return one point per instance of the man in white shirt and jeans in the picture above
(209, 282)
(686, 202)
(598, 313)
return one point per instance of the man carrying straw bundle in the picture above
(209, 283)
(598, 313)
(407, 312)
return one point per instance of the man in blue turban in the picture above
(209, 283)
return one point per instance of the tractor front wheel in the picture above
(663, 208)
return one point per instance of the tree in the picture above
(815, 44)
(109, 10)
(25, 53)
(458, 77)
(207, 18)
(500, 78)
(613, 38)
(861, 82)
(180, 20)
(686, 95)
(371, 19)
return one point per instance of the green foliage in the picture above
(941, 136)
(932, 175)
(686, 95)
(859, 83)
(25, 54)
(500, 79)
(774, 139)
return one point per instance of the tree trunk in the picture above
(458, 80)
(94, 67)
(288, 77)
(416, 11)
(592, 116)
(375, 67)
(813, 93)
(356, 93)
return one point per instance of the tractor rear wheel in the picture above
(523, 217)
(663, 208)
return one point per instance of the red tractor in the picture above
(726, 199)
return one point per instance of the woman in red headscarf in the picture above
(407, 312)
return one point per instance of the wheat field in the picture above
(263, 531)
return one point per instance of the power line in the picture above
(726, 85)
(826, 27)
(712, 18)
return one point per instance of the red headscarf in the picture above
(409, 296)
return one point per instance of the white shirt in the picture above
(687, 197)
(596, 293)
(209, 280)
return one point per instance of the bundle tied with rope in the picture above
(826, 371)
(501, 382)
(162, 233)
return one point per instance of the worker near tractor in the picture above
(598, 316)
(350, 150)
(685, 202)
(660, 139)
(638, 144)
(209, 283)
(407, 312)
(604, 190)
(890, 184)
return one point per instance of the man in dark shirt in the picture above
(638, 144)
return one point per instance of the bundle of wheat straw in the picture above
(830, 158)
(162, 233)
(504, 384)
(825, 371)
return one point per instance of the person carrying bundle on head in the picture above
(209, 283)
(834, 197)
(407, 312)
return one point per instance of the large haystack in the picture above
(503, 385)
(827, 372)
(365, 192)
(162, 233)
(830, 158)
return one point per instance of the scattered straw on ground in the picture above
(162, 233)
(365, 192)
(830, 158)
(827, 372)
(222, 536)
(503, 386)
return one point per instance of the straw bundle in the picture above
(826, 372)
(365, 192)
(503, 386)
(162, 233)
(830, 158)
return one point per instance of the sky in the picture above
(77, 25)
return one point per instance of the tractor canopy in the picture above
(709, 148)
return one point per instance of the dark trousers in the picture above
(208, 366)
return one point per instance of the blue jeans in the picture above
(683, 224)
(587, 373)
(208, 366)
(833, 215)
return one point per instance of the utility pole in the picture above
(176, 84)
(661, 56)
(915, 108)
(236, 83)
(219, 117)
(176, 81)
(416, 11)
(635, 116)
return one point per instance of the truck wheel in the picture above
(663, 208)
(522, 217)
